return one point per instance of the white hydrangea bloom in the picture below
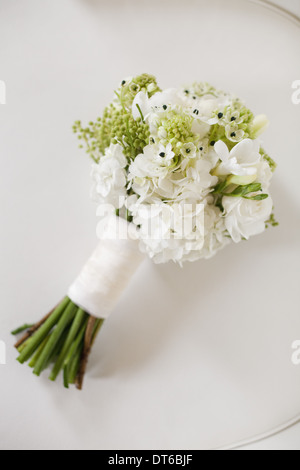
(170, 232)
(216, 235)
(180, 232)
(109, 177)
(154, 163)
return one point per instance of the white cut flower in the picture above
(170, 231)
(216, 236)
(189, 150)
(198, 180)
(234, 133)
(153, 163)
(159, 102)
(241, 161)
(110, 178)
(260, 124)
(200, 128)
(233, 117)
(205, 108)
(245, 217)
(184, 149)
(141, 104)
(264, 174)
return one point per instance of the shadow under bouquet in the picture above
(178, 174)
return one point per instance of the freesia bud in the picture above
(241, 180)
(260, 124)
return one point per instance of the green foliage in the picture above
(272, 222)
(117, 124)
(248, 191)
(267, 158)
(177, 130)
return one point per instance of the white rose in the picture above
(246, 217)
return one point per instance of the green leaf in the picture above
(258, 197)
(242, 191)
(272, 221)
(220, 187)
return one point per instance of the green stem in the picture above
(21, 329)
(65, 319)
(33, 361)
(74, 366)
(98, 326)
(56, 351)
(140, 111)
(40, 335)
(74, 353)
(66, 380)
(23, 346)
(77, 323)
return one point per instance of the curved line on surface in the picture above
(279, 10)
(261, 437)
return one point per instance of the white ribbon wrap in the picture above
(109, 270)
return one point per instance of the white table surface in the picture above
(173, 368)
(289, 439)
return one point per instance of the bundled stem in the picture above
(93, 327)
(31, 330)
(63, 338)
(79, 318)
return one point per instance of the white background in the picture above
(190, 359)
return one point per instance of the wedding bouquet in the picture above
(178, 174)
